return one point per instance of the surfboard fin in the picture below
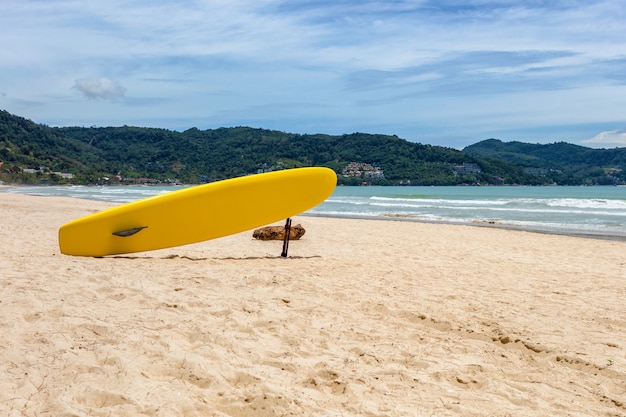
(129, 232)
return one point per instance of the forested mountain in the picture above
(34, 153)
(230, 152)
(563, 163)
(24, 144)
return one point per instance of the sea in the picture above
(597, 211)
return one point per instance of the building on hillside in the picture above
(45, 170)
(363, 170)
(465, 168)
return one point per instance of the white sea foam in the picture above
(588, 203)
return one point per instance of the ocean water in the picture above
(590, 211)
(571, 210)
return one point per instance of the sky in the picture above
(439, 72)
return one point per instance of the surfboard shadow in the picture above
(251, 258)
(190, 258)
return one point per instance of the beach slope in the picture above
(364, 318)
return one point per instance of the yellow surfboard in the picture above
(198, 213)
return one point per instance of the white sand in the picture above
(365, 318)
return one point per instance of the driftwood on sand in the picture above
(278, 232)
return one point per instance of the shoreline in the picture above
(485, 224)
(407, 218)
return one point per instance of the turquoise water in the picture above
(594, 210)
(574, 210)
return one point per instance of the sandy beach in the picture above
(364, 318)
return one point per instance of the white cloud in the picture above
(102, 89)
(534, 71)
(608, 139)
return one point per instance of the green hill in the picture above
(24, 144)
(563, 163)
(130, 154)
(34, 153)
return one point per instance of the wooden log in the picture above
(278, 233)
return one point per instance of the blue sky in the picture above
(440, 72)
